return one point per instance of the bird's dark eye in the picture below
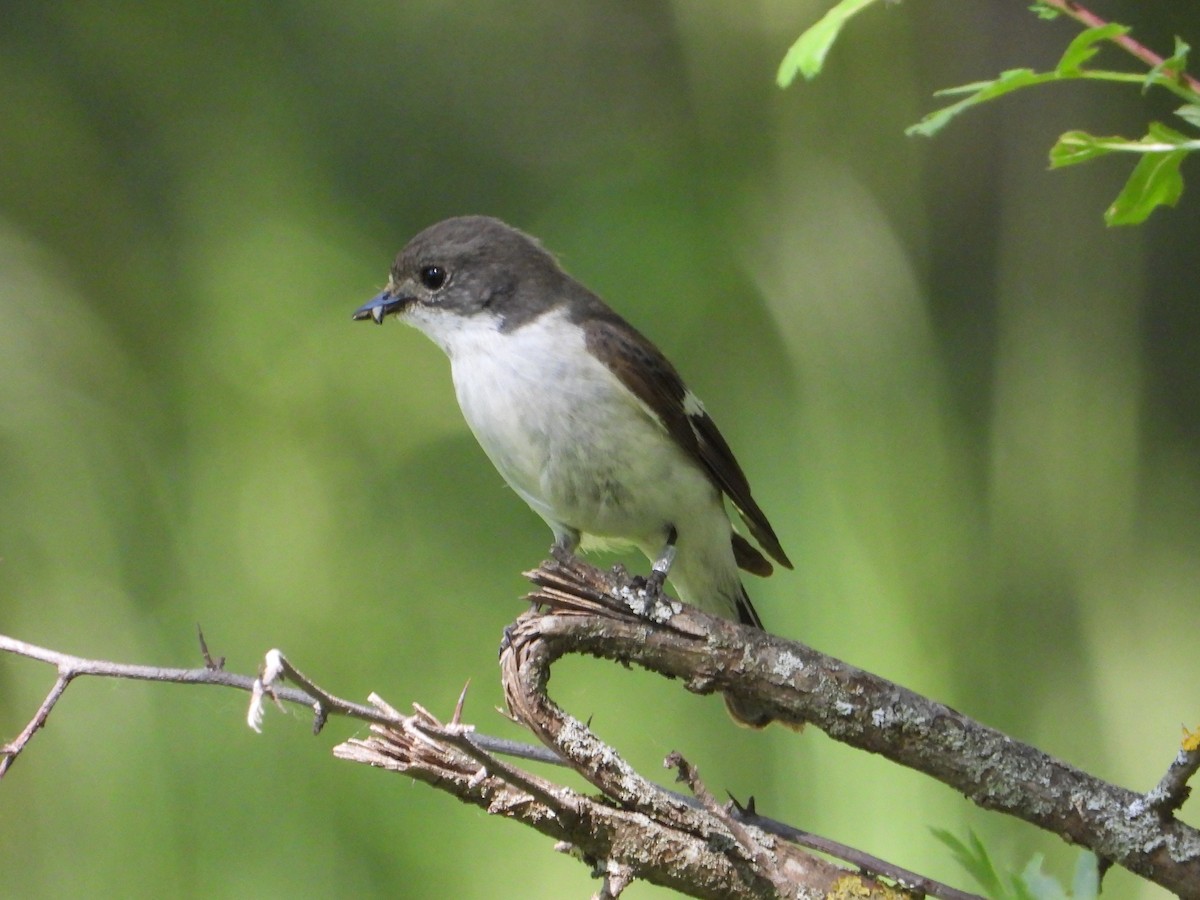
(433, 277)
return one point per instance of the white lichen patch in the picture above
(787, 664)
(657, 609)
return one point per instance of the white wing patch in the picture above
(692, 405)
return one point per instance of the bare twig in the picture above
(1171, 792)
(71, 667)
(618, 843)
(921, 885)
(561, 803)
(1168, 795)
(543, 800)
(458, 736)
(752, 848)
(594, 830)
(10, 751)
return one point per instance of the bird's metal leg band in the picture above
(662, 566)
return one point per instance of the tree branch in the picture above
(676, 845)
(455, 758)
(638, 829)
(587, 613)
(71, 667)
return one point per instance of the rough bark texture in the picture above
(650, 836)
(589, 612)
(639, 830)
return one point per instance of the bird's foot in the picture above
(651, 601)
(662, 566)
(563, 549)
(506, 640)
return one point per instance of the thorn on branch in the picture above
(213, 665)
(752, 849)
(456, 719)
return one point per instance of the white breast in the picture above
(581, 449)
(519, 391)
(564, 432)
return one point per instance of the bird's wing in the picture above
(643, 369)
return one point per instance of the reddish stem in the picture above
(1085, 16)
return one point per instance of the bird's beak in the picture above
(380, 305)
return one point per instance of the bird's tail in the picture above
(746, 613)
(747, 712)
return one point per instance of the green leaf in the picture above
(972, 88)
(1178, 59)
(974, 858)
(1154, 182)
(1031, 884)
(1039, 884)
(807, 55)
(1079, 146)
(1086, 883)
(1043, 10)
(1012, 80)
(1172, 68)
(1163, 134)
(1083, 47)
(1190, 113)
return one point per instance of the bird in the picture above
(584, 418)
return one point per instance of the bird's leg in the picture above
(566, 542)
(662, 566)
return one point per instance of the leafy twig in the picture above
(1169, 68)
(1156, 179)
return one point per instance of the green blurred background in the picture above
(969, 409)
